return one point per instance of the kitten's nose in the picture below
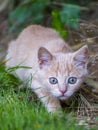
(63, 91)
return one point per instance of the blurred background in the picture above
(76, 21)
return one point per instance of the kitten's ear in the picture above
(81, 57)
(44, 57)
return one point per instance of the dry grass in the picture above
(87, 98)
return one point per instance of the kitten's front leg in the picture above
(51, 103)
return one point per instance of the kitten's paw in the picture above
(55, 110)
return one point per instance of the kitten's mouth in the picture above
(62, 97)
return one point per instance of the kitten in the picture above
(57, 71)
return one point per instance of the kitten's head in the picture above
(62, 74)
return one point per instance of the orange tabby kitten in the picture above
(57, 71)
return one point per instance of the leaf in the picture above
(31, 11)
(17, 16)
(70, 15)
(57, 23)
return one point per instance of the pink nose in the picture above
(63, 91)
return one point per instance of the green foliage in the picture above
(16, 113)
(70, 15)
(7, 79)
(57, 23)
(29, 11)
(34, 11)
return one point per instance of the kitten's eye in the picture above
(53, 80)
(72, 80)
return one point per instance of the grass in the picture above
(18, 113)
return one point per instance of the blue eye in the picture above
(72, 80)
(53, 80)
